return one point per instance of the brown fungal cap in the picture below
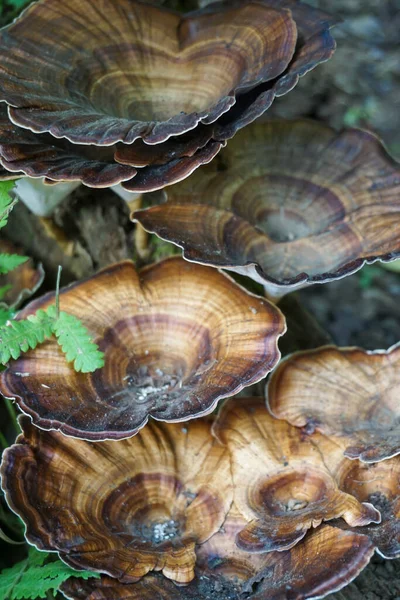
(284, 482)
(133, 70)
(23, 152)
(314, 45)
(177, 337)
(288, 203)
(345, 392)
(325, 561)
(378, 483)
(124, 508)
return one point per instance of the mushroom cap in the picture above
(378, 483)
(177, 338)
(288, 203)
(24, 281)
(285, 482)
(315, 45)
(325, 561)
(23, 152)
(133, 70)
(121, 509)
(344, 392)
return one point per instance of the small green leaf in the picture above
(6, 202)
(9, 262)
(34, 577)
(19, 336)
(76, 343)
(6, 314)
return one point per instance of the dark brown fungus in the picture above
(124, 508)
(344, 392)
(285, 482)
(24, 152)
(163, 92)
(288, 203)
(133, 70)
(378, 483)
(325, 561)
(177, 337)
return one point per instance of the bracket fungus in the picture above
(177, 337)
(141, 95)
(343, 392)
(325, 561)
(284, 482)
(124, 508)
(378, 483)
(288, 203)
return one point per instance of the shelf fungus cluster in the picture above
(288, 203)
(117, 473)
(140, 95)
(236, 506)
(147, 471)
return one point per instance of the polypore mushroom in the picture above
(378, 483)
(284, 482)
(314, 45)
(288, 203)
(120, 508)
(107, 73)
(22, 282)
(325, 561)
(177, 337)
(344, 392)
(135, 78)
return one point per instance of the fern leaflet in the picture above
(19, 336)
(33, 577)
(8, 262)
(6, 202)
(77, 344)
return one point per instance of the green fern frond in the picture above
(6, 314)
(6, 202)
(76, 343)
(19, 336)
(9, 262)
(32, 578)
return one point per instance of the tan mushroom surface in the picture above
(343, 392)
(378, 483)
(325, 561)
(177, 337)
(288, 203)
(285, 482)
(121, 508)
